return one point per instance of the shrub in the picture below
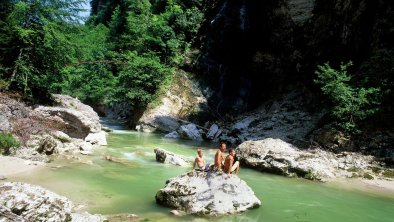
(351, 103)
(7, 142)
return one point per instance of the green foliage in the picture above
(140, 79)
(89, 77)
(34, 42)
(351, 103)
(7, 143)
(126, 51)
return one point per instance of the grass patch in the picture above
(352, 169)
(375, 169)
(388, 173)
(368, 176)
(7, 143)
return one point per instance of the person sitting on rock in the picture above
(230, 164)
(200, 162)
(219, 157)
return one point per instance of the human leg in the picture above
(235, 167)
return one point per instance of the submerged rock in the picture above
(172, 135)
(164, 156)
(212, 194)
(25, 202)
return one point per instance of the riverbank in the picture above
(11, 166)
(374, 186)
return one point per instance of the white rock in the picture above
(212, 194)
(33, 203)
(279, 157)
(97, 138)
(165, 156)
(86, 217)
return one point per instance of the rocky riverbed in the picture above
(69, 128)
(285, 136)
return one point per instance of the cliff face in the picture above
(252, 50)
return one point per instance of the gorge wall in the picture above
(253, 50)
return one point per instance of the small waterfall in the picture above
(221, 79)
(220, 13)
(242, 17)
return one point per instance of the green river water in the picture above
(110, 188)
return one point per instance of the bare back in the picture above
(228, 163)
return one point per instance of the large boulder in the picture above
(25, 202)
(212, 194)
(279, 157)
(164, 156)
(77, 124)
(213, 132)
(79, 119)
(190, 131)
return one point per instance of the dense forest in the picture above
(128, 51)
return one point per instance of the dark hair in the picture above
(231, 150)
(221, 143)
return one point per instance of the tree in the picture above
(34, 41)
(140, 79)
(352, 103)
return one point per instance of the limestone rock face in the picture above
(182, 99)
(212, 194)
(300, 10)
(25, 202)
(4, 124)
(164, 156)
(285, 118)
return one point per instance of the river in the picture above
(104, 187)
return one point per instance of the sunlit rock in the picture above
(207, 194)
